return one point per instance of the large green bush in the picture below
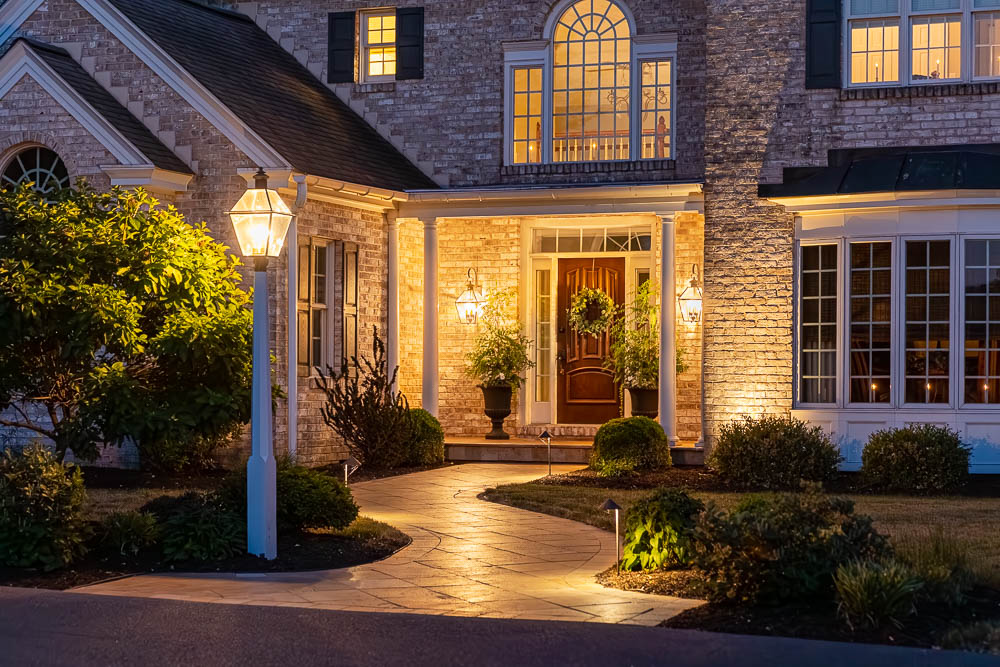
(633, 439)
(199, 527)
(773, 453)
(41, 510)
(306, 498)
(426, 444)
(917, 459)
(659, 530)
(778, 547)
(129, 533)
(873, 594)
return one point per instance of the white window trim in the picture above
(363, 76)
(538, 53)
(967, 12)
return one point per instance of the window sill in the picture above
(375, 86)
(587, 167)
(917, 91)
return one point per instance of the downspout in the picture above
(292, 243)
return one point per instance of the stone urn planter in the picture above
(497, 400)
(645, 402)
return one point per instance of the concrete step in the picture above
(574, 431)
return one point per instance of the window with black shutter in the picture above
(350, 306)
(823, 48)
(409, 43)
(340, 68)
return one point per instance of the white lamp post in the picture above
(261, 221)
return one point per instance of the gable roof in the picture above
(107, 106)
(270, 91)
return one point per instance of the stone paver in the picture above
(468, 558)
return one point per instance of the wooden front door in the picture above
(586, 391)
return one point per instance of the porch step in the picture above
(516, 450)
(568, 431)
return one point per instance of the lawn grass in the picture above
(909, 521)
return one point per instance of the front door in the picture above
(586, 392)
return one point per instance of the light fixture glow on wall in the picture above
(690, 300)
(470, 303)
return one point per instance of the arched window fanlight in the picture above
(38, 165)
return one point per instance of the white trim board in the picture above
(13, 14)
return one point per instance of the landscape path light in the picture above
(547, 439)
(350, 465)
(611, 506)
(261, 219)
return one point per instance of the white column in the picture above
(430, 370)
(262, 534)
(292, 243)
(668, 330)
(392, 292)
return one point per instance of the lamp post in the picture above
(260, 219)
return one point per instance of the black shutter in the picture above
(823, 48)
(410, 43)
(340, 44)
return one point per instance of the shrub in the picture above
(982, 637)
(917, 459)
(942, 563)
(873, 595)
(659, 530)
(306, 498)
(41, 510)
(773, 548)
(203, 529)
(426, 445)
(129, 533)
(500, 354)
(615, 469)
(774, 453)
(633, 439)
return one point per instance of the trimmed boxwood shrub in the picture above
(426, 445)
(41, 510)
(200, 527)
(773, 453)
(917, 459)
(659, 530)
(306, 498)
(636, 441)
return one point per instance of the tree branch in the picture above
(30, 427)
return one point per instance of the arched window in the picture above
(572, 97)
(37, 165)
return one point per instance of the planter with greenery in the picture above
(634, 357)
(499, 359)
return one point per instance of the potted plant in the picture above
(634, 355)
(499, 359)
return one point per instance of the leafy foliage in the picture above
(659, 530)
(615, 468)
(916, 459)
(363, 408)
(981, 637)
(634, 357)
(772, 548)
(942, 563)
(121, 319)
(306, 498)
(635, 440)
(875, 594)
(41, 510)
(500, 353)
(590, 312)
(129, 533)
(426, 444)
(202, 528)
(773, 453)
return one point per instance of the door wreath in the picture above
(590, 312)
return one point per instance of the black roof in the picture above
(107, 106)
(270, 91)
(896, 169)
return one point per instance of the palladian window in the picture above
(38, 165)
(572, 98)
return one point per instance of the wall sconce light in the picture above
(690, 299)
(470, 303)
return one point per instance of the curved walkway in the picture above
(468, 558)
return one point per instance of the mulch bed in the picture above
(820, 621)
(677, 583)
(698, 478)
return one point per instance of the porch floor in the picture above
(564, 450)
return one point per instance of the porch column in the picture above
(430, 369)
(292, 243)
(392, 293)
(668, 329)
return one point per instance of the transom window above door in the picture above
(891, 42)
(592, 240)
(572, 97)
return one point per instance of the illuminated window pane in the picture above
(378, 41)
(928, 321)
(982, 321)
(656, 107)
(543, 335)
(870, 307)
(818, 328)
(987, 44)
(874, 51)
(527, 115)
(936, 47)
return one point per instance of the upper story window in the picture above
(38, 165)
(570, 98)
(378, 45)
(921, 41)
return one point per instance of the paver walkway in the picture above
(468, 558)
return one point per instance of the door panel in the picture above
(587, 393)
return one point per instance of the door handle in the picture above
(560, 362)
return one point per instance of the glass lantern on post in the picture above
(261, 219)
(690, 300)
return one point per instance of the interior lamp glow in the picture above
(470, 303)
(690, 300)
(261, 219)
